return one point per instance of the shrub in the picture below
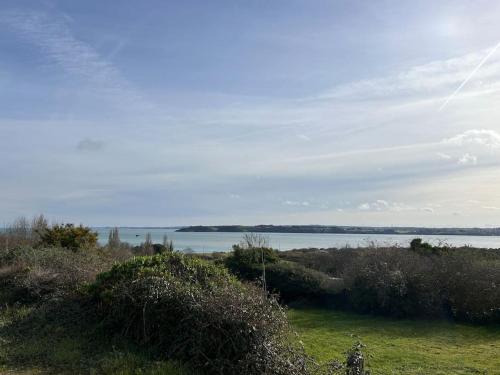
(425, 248)
(69, 236)
(384, 284)
(188, 309)
(330, 261)
(461, 284)
(23, 232)
(291, 281)
(32, 274)
(471, 288)
(294, 282)
(247, 262)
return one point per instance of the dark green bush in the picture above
(246, 262)
(425, 248)
(292, 282)
(68, 236)
(188, 309)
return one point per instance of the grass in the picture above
(37, 342)
(58, 342)
(401, 346)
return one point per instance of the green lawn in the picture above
(401, 346)
(32, 345)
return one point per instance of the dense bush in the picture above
(407, 284)
(246, 262)
(30, 274)
(391, 283)
(69, 236)
(419, 281)
(292, 282)
(188, 309)
(330, 261)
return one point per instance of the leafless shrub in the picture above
(254, 241)
(28, 274)
(23, 232)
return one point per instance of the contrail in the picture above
(469, 76)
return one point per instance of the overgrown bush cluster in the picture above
(290, 281)
(169, 305)
(188, 309)
(30, 274)
(420, 281)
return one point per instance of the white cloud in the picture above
(364, 206)
(303, 137)
(491, 208)
(481, 137)
(378, 205)
(382, 205)
(296, 203)
(444, 156)
(467, 159)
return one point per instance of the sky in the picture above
(164, 113)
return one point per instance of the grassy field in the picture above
(401, 347)
(38, 345)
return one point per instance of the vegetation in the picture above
(71, 306)
(290, 281)
(187, 309)
(68, 236)
(45, 326)
(87, 311)
(61, 338)
(422, 281)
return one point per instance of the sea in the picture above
(218, 241)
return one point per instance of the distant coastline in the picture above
(332, 229)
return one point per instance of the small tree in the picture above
(168, 245)
(114, 238)
(147, 245)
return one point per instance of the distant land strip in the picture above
(331, 229)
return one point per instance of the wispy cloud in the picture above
(468, 78)
(296, 203)
(52, 34)
(482, 137)
(494, 208)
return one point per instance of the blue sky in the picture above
(221, 112)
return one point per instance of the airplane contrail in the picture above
(469, 77)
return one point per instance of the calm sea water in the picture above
(209, 242)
